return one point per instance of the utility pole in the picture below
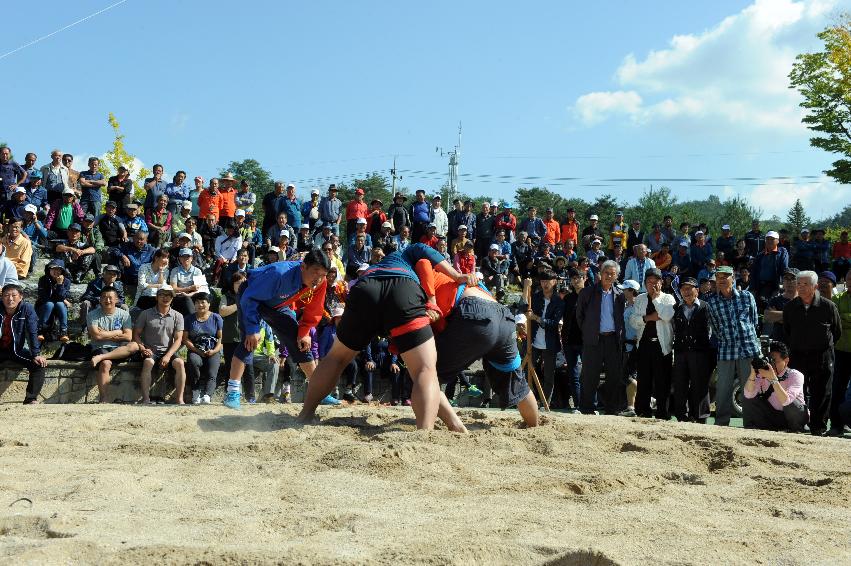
(454, 161)
(394, 176)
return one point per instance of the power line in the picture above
(51, 34)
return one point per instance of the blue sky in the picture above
(600, 91)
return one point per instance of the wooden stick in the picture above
(530, 367)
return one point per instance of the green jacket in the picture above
(843, 303)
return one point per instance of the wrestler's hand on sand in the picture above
(304, 343)
(251, 341)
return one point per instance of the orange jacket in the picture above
(570, 231)
(209, 204)
(227, 203)
(442, 287)
(553, 231)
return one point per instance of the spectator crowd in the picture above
(651, 307)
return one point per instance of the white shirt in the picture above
(228, 246)
(441, 221)
(664, 305)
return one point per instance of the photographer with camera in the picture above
(774, 393)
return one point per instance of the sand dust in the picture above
(203, 485)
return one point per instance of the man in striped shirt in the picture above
(733, 317)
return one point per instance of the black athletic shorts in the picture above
(478, 328)
(392, 306)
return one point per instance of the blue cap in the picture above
(76, 227)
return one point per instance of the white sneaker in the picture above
(205, 400)
(196, 397)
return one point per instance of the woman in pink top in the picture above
(774, 394)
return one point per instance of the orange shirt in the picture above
(570, 231)
(663, 261)
(553, 231)
(209, 203)
(227, 203)
(443, 289)
(355, 210)
(841, 250)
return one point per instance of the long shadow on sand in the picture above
(268, 421)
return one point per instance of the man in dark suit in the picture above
(599, 312)
(694, 357)
(634, 236)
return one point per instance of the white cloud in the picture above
(821, 199)
(734, 74)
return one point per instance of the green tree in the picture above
(259, 180)
(824, 80)
(541, 198)
(735, 211)
(605, 207)
(797, 218)
(652, 207)
(119, 157)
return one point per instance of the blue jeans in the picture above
(573, 357)
(48, 309)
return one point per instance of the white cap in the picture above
(166, 288)
(314, 191)
(68, 192)
(772, 234)
(184, 235)
(290, 185)
(239, 212)
(596, 241)
(807, 230)
(275, 249)
(187, 205)
(305, 226)
(336, 311)
(699, 233)
(386, 224)
(30, 208)
(725, 227)
(361, 221)
(21, 190)
(494, 247)
(630, 284)
(462, 227)
(593, 217)
(520, 318)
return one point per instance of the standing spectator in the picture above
(821, 250)
(11, 174)
(803, 251)
(110, 227)
(119, 188)
(203, 340)
(19, 249)
(177, 192)
(523, 256)
(726, 242)
(774, 396)
(421, 215)
(440, 218)
(91, 296)
(30, 168)
(73, 174)
(485, 221)
(210, 201)
(246, 199)
(456, 218)
(812, 326)
(109, 328)
(506, 221)
(546, 311)
(194, 195)
(682, 260)
(355, 210)
(227, 202)
(655, 240)
(733, 316)
(772, 317)
(651, 319)
(700, 252)
(53, 291)
(158, 220)
(91, 185)
(63, 212)
(693, 356)
(330, 210)
(570, 228)
(591, 232)
(841, 255)
(375, 219)
(398, 214)
(289, 204)
(637, 266)
(154, 187)
(842, 368)
(754, 240)
(78, 255)
(571, 338)
(310, 209)
(553, 230)
(768, 267)
(634, 236)
(599, 312)
(269, 204)
(159, 333)
(131, 256)
(55, 177)
(36, 195)
(19, 340)
(533, 225)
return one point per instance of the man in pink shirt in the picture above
(774, 394)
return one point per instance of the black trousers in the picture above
(817, 367)
(546, 361)
(841, 377)
(608, 354)
(654, 379)
(758, 413)
(691, 373)
(36, 380)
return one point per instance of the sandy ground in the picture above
(167, 485)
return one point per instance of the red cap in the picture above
(358, 191)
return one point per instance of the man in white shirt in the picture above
(637, 266)
(441, 220)
(226, 246)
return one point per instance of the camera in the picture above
(763, 359)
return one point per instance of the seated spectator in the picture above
(241, 265)
(707, 270)
(740, 258)
(78, 255)
(196, 241)
(357, 255)
(53, 292)
(36, 194)
(8, 273)
(375, 256)
(774, 395)
(159, 333)
(152, 277)
(465, 260)
(323, 234)
(14, 207)
(443, 249)
(178, 220)
(286, 250)
(252, 238)
(91, 296)
(158, 221)
(385, 238)
(19, 342)
(457, 245)
(210, 231)
(266, 360)
(682, 260)
(595, 253)
(18, 248)
(360, 228)
(203, 340)
(826, 284)
(495, 269)
(273, 234)
(403, 238)
(273, 255)
(109, 328)
(430, 237)
(132, 221)
(111, 227)
(130, 256)
(186, 280)
(226, 247)
(663, 257)
(743, 281)
(63, 212)
(33, 229)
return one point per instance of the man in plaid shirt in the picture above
(733, 317)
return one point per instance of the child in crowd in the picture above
(630, 291)
(465, 261)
